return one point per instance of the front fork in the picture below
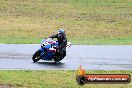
(43, 52)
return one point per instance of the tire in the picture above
(36, 56)
(56, 60)
(81, 80)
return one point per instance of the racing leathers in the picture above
(61, 49)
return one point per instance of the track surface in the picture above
(91, 57)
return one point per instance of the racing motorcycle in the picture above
(47, 51)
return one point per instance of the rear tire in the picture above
(36, 56)
(56, 59)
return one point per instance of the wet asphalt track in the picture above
(91, 57)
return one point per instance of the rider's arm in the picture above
(53, 36)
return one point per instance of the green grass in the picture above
(85, 21)
(53, 79)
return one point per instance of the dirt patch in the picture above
(4, 86)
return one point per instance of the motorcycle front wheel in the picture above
(36, 56)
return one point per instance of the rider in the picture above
(62, 41)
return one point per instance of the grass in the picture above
(53, 79)
(85, 21)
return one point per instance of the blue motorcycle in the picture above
(47, 51)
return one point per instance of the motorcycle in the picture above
(47, 51)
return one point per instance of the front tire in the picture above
(36, 56)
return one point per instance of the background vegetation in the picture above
(85, 21)
(53, 79)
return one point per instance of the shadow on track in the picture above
(60, 64)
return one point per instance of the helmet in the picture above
(61, 33)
